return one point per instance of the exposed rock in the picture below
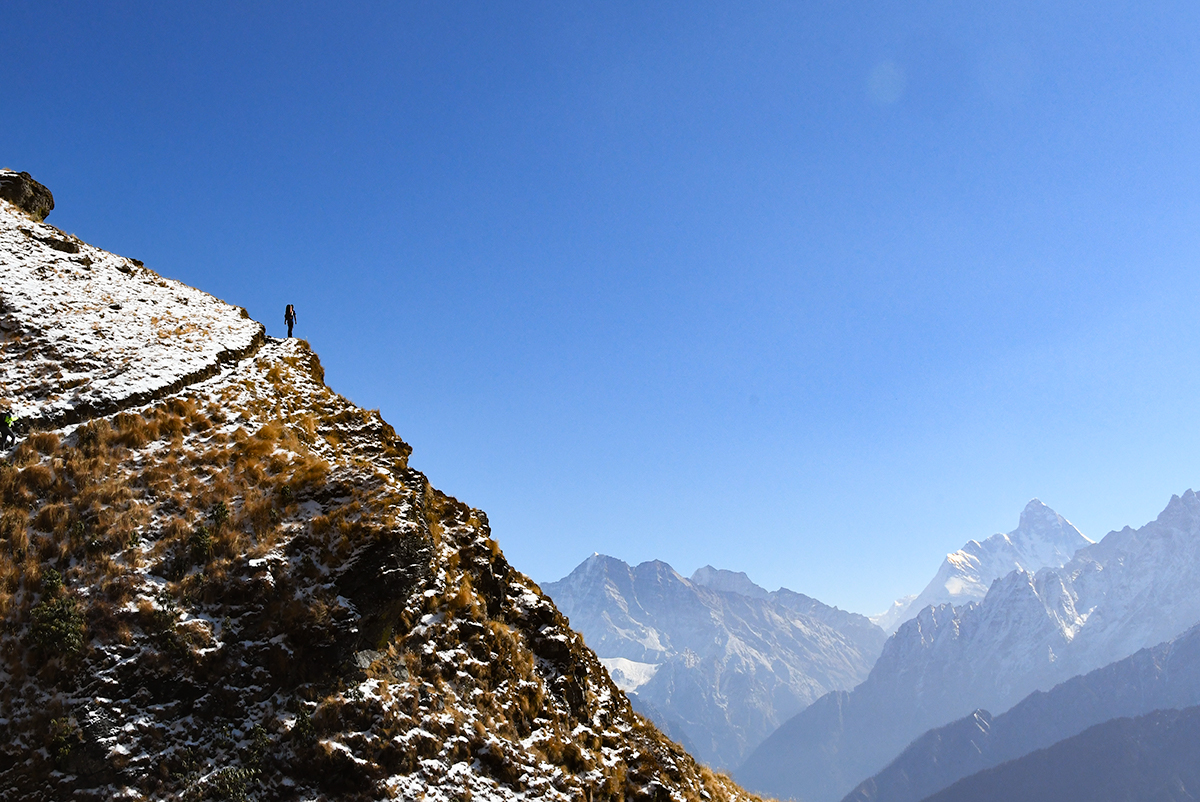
(31, 197)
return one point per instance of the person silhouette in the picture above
(289, 317)
(7, 438)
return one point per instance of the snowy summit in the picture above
(1042, 539)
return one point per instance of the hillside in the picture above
(1162, 677)
(715, 660)
(220, 579)
(1152, 757)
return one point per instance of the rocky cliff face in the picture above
(220, 579)
(1133, 589)
(716, 660)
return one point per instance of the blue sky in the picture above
(817, 294)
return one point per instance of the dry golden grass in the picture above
(52, 517)
(43, 442)
(95, 503)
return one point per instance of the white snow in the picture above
(88, 333)
(629, 675)
(1042, 539)
(718, 653)
(118, 331)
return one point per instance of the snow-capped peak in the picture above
(1042, 527)
(1042, 539)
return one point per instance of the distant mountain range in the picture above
(1042, 539)
(1133, 589)
(1165, 676)
(1152, 757)
(715, 660)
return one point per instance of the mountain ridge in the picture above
(221, 579)
(1132, 589)
(1164, 676)
(719, 660)
(1042, 539)
(1154, 756)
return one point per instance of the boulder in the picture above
(21, 190)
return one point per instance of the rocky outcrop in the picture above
(28, 195)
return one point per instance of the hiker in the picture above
(7, 438)
(289, 317)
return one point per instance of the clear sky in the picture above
(817, 291)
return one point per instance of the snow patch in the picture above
(629, 675)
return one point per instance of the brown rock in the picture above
(21, 190)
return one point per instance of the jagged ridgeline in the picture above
(219, 579)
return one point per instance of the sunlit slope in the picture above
(219, 578)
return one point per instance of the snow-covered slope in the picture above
(86, 331)
(1133, 589)
(221, 580)
(1042, 539)
(715, 659)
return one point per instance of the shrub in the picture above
(230, 783)
(260, 745)
(52, 582)
(38, 478)
(218, 514)
(52, 517)
(170, 426)
(304, 730)
(133, 431)
(12, 528)
(57, 626)
(201, 544)
(91, 437)
(64, 736)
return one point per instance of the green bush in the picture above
(260, 746)
(57, 626)
(218, 514)
(52, 582)
(201, 544)
(304, 730)
(64, 736)
(229, 783)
